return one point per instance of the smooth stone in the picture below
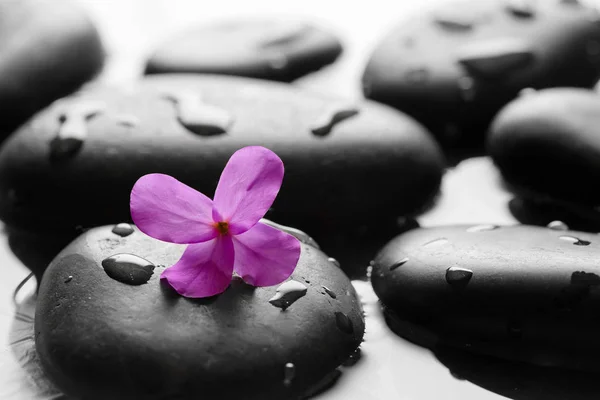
(98, 338)
(261, 48)
(49, 49)
(547, 145)
(455, 65)
(523, 293)
(378, 161)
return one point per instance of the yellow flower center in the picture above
(222, 227)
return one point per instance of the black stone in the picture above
(98, 338)
(49, 49)
(378, 161)
(525, 293)
(547, 146)
(267, 49)
(454, 78)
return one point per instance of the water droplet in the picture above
(73, 129)
(69, 279)
(466, 85)
(592, 49)
(482, 228)
(398, 264)
(457, 275)
(521, 8)
(329, 292)
(418, 75)
(334, 262)
(369, 271)
(585, 278)
(453, 21)
(494, 57)
(574, 240)
(277, 60)
(436, 242)
(197, 116)
(128, 268)
(287, 294)
(343, 322)
(123, 229)
(127, 120)
(354, 358)
(331, 117)
(297, 233)
(289, 373)
(558, 226)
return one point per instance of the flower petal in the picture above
(168, 210)
(265, 256)
(247, 188)
(204, 269)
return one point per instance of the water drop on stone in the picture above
(128, 268)
(466, 85)
(418, 75)
(558, 226)
(73, 130)
(343, 322)
(458, 276)
(574, 240)
(199, 117)
(482, 228)
(398, 264)
(287, 294)
(495, 57)
(289, 374)
(521, 8)
(334, 262)
(329, 292)
(354, 358)
(69, 279)
(277, 61)
(436, 242)
(369, 271)
(122, 229)
(127, 120)
(331, 117)
(453, 22)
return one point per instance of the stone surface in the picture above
(47, 50)
(523, 293)
(455, 65)
(261, 48)
(99, 338)
(547, 144)
(371, 168)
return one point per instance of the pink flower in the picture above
(223, 235)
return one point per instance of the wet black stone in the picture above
(526, 295)
(49, 50)
(361, 164)
(455, 77)
(546, 146)
(261, 48)
(98, 338)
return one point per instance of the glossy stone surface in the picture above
(374, 166)
(521, 292)
(99, 338)
(47, 50)
(547, 144)
(258, 48)
(456, 64)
